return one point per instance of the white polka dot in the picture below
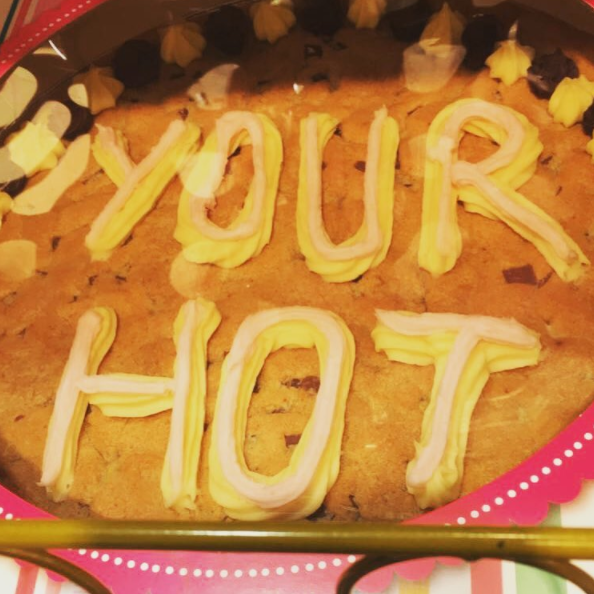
(336, 562)
(183, 571)
(534, 479)
(351, 558)
(94, 555)
(498, 500)
(588, 436)
(577, 445)
(280, 571)
(144, 566)
(253, 572)
(197, 572)
(209, 573)
(557, 461)
(169, 570)
(309, 567)
(486, 508)
(155, 568)
(524, 486)
(474, 514)
(66, 15)
(9, 516)
(238, 573)
(265, 572)
(568, 453)
(511, 493)
(118, 561)
(223, 573)
(294, 569)
(461, 520)
(80, 551)
(131, 564)
(322, 564)
(546, 470)
(105, 557)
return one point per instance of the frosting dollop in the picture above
(272, 20)
(365, 14)
(102, 89)
(571, 98)
(182, 43)
(110, 149)
(510, 61)
(445, 27)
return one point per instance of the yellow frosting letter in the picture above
(127, 395)
(487, 188)
(369, 246)
(464, 350)
(299, 489)
(204, 241)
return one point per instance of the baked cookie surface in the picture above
(146, 280)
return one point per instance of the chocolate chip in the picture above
(19, 418)
(544, 280)
(320, 17)
(55, 242)
(523, 275)
(278, 411)
(588, 120)
(408, 24)
(15, 187)
(120, 279)
(291, 440)
(310, 382)
(227, 29)
(546, 160)
(74, 299)
(81, 120)
(547, 71)
(360, 166)
(42, 273)
(91, 280)
(137, 63)
(319, 77)
(479, 38)
(183, 113)
(338, 131)
(312, 51)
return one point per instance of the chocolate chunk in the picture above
(360, 166)
(137, 63)
(547, 71)
(120, 279)
(319, 77)
(183, 113)
(312, 51)
(15, 187)
(588, 120)
(55, 242)
(227, 29)
(320, 17)
(523, 274)
(291, 440)
(408, 24)
(81, 121)
(91, 280)
(479, 38)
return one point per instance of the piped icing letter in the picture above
(141, 188)
(368, 247)
(128, 395)
(487, 188)
(299, 489)
(204, 241)
(464, 350)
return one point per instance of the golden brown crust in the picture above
(146, 281)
